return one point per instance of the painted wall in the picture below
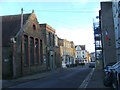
(107, 27)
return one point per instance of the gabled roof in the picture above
(10, 26)
(77, 47)
(81, 46)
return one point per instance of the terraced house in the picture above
(67, 52)
(81, 54)
(22, 45)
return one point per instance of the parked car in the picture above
(112, 75)
(108, 67)
(116, 75)
(92, 64)
(108, 76)
(68, 64)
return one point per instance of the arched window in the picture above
(34, 26)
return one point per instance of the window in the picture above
(36, 51)
(31, 50)
(25, 49)
(119, 9)
(34, 26)
(83, 56)
(53, 40)
(49, 39)
(41, 52)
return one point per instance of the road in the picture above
(70, 78)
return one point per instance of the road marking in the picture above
(87, 79)
(114, 85)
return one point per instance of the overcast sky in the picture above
(72, 20)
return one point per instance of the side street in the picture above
(35, 55)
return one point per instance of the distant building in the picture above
(22, 45)
(80, 53)
(67, 52)
(87, 57)
(58, 58)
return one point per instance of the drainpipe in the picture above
(13, 43)
(15, 46)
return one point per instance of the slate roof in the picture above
(10, 26)
(82, 47)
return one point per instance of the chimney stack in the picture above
(21, 17)
(32, 11)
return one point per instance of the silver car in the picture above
(92, 64)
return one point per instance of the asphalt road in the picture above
(71, 78)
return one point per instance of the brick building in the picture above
(49, 45)
(22, 45)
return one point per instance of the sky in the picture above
(72, 19)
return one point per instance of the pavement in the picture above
(96, 80)
(93, 80)
(13, 82)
